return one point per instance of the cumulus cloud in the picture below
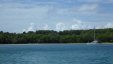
(77, 24)
(22, 12)
(46, 27)
(30, 28)
(109, 25)
(60, 26)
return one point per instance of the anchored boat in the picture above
(94, 41)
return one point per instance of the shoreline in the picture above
(52, 44)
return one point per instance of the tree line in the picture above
(51, 36)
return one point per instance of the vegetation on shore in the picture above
(50, 36)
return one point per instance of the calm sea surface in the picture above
(56, 54)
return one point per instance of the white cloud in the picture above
(30, 28)
(75, 27)
(20, 14)
(46, 27)
(109, 25)
(77, 24)
(60, 26)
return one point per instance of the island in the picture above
(51, 36)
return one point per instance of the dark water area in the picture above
(56, 54)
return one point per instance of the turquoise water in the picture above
(56, 54)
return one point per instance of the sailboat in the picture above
(94, 41)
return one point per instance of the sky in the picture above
(59, 15)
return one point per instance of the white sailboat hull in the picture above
(93, 42)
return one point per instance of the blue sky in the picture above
(31, 15)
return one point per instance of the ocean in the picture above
(56, 54)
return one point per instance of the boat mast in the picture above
(94, 33)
